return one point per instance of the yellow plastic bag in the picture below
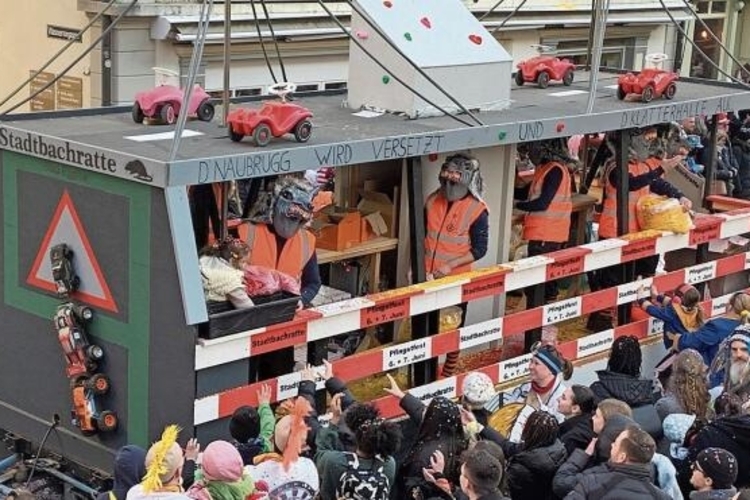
(662, 214)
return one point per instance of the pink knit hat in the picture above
(222, 462)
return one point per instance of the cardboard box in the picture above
(337, 229)
(378, 215)
(690, 184)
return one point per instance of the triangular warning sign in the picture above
(66, 228)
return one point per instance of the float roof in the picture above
(113, 144)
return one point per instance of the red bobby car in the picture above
(165, 101)
(544, 68)
(650, 83)
(273, 119)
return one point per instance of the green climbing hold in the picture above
(501, 136)
(386, 79)
(407, 36)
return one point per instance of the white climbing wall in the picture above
(445, 40)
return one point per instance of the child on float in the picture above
(681, 313)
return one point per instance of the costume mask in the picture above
(541, 152)
(640, 147)
(288, 208)
(293, 208)
(460, 176)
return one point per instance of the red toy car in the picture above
(544, 68)
(81, 357)
(650, 83)
(164, 102)
(273, 119)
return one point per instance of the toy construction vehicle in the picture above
(545, 68)
(650, 83)
(273, 119)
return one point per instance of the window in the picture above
(335, 85)
(248, 92)
(308, 87)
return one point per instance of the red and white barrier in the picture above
(363, 312)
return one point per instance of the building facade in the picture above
(31, 32)
(314, 51)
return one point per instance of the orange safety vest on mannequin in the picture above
(448, 230)
(608, 221)
(264, 252)
(552, 224)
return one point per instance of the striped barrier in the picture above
(379, 360)
(363, 312)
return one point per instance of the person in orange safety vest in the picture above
(457, 226)
(645, 176)
(278, 240)
(548, 204)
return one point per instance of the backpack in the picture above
(363, 484)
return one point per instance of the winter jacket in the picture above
(713, 494)
(668, 405)
(262, 443)
(672, 321)
(616, 482)
(332, 463)
(637, 393)
(576, 432)
(530, 473)
(665, 476)
(706, 340)
(730, 433)
(129, 469)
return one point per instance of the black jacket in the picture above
(615, 482)
(530, 473)
(576, 432)
(638, 393)
(730, 433)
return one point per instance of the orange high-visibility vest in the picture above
(448, 230)
(608, 221)
(552, 224)
(294, 256)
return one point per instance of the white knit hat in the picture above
(477, 389)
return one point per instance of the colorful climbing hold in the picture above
(502, 135)
(476, 39)
(560, 127)
(432, 157)
(407, 35)
(388, 4)
(362, 35)
(386, 79)
(426, 22)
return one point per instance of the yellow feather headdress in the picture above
(159, 467)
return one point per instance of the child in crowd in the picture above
(252, 429)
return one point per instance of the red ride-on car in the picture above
(545, 68)
(80, 356)
(164, 103)
(273, 119)
(650, 83)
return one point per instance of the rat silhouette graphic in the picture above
(137, 169)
